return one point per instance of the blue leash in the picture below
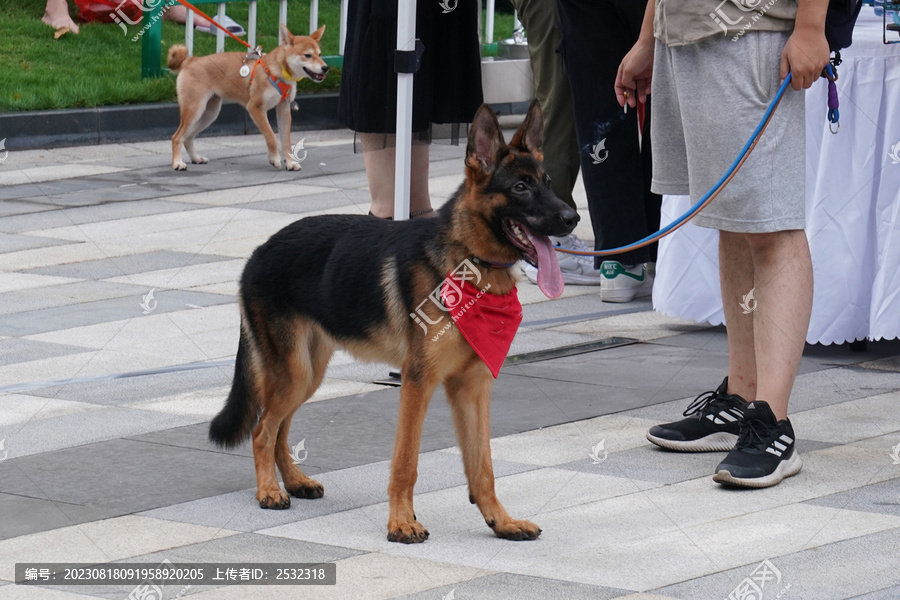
(707, 197)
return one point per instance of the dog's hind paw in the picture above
(310, 490)
(274, 499)
(407, 533)
(179, 166)
(516, 530)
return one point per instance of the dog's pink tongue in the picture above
(549, 277)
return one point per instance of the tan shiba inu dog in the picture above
(203, 82)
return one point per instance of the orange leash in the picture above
(190, 6)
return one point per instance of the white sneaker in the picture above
(624, 284)
(577, 270)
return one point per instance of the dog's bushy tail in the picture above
(178, 54)
(236, 420)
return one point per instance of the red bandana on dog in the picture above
(488, 321)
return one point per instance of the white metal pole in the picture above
(251, 24)
(344, 4)
(406, 40)
(489, 23)
(282, 17)
(189, 32)
(220, 35)
(313, 15)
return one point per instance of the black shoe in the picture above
(764, 453)
(712, 424)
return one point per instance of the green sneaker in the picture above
(623, 284)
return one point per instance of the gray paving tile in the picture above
(129, 264)
(13, 243)
(126, 390)
(124, 476)
(311, 202)
(838, 571)
(85, 427)
(36, 218)
(651, 463)
(15, 350)
(23, 515)
(881, 497)
(506, 586)
(141, 207)
(24, 301)
(102, 311)
(345, 489)
(658, 373)
(891, 593)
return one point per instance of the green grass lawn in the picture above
(102, 66)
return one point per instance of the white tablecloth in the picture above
(852, 208)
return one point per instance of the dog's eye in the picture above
(520, 187)
(308, 55)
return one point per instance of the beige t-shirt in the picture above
(680, 22)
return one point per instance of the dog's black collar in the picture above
(490, 265)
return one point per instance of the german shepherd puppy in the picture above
(203, 82)
(354, 281)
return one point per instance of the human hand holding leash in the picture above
(636, 69)
(806, 52)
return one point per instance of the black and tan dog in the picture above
(355, 281)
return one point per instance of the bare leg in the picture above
(784, 287)
(178, 14)
(380, 164)
(736, 279)
(56, 15)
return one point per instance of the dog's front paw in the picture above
(275, 498)
(516, 530)
(292, 165)
(179, 166)
(311, 490)
(275, 161)
(411, 532)
(201, 160)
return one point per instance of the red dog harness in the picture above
(283, 87)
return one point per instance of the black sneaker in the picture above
(764, 453)
(712, 424)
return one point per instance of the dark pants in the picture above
(615, 168)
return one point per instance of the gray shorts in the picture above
(708, 98)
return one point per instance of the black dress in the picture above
(447, 87)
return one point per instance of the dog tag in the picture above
(245, 70)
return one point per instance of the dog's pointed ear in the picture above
(530, 134)
(317, 34)
(287, 38)
(485, 141)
